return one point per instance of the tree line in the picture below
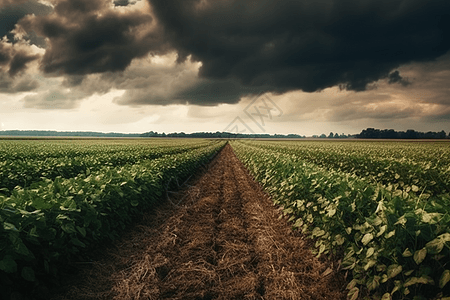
(372, 133)
(52, 133)
(222, 135)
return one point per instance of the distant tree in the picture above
(410, 134)
(371, 133)
(323, 135)
(331, 135)
(315, 136)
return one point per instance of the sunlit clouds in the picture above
(191, 65)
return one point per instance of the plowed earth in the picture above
(224, 241)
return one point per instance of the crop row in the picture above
(395, 243)
(56, 222)
(61, 160)
(403, 165)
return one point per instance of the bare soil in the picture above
(224, 241)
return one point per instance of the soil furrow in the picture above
(225, 241)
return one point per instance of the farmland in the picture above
(59, 199)
(383, 207)
(375, 213)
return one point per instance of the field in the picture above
(59, 199)
(376, 215)
(383, 207)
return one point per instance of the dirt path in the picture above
(224, 242)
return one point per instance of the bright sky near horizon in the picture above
(304, 67)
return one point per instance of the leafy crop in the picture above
(423, 167)
(22, 162)
(56, 221)
(394, 240)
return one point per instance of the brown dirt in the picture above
(225, 241)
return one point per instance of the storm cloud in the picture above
(243, 46)
(90, 36)
(12, 11)
(123, 2)
(395, 77)
(13, 61)
(305, 45)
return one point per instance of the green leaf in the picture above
(367, 238)
(322, 248)
(370, 264)
(402, 220)
(419, 280)
(431, 218)
(28, 274)
(8, 264)
(381, 268)
(420, 255)
(9, 226)
(353, 294)
(81, 230)
(386, 296)
(69, 228)
(382, 230)
(397, 286)
(445, 237)
(339, 239)
(348, 263)
(318, 232)
(351, 284)
(18, 245)
(394, 270)
(373, 283)
(407, 253)
(77, 242)
(390, 234)
(445, 278)
(435, 246)
(370, 252)
(134, 202)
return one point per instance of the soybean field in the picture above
(211, 219)
(383, 207)
(61, 198)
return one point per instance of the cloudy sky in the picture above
(289, 66)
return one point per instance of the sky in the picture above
(265, 66)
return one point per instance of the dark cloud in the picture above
(34, 39)
(23, 84)
(12, 11)
(19, 61)
(123, 2)
(5, 54)
(307, 45)
(89, 36)
(13, 60)
(245, 46)
(395, 77)
(213, 92)
(202, 92)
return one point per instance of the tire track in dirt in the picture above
(225, 242)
